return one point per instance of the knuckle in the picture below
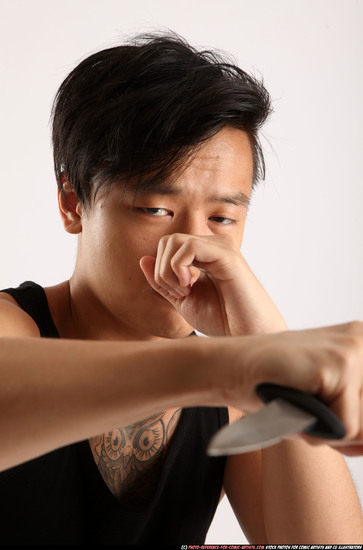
(162, 274)
(190, 245)
(184, 246)
(175, 238)
(226, 240)
(338, 356)
(348, 350)
(351, 344)
(174, 263)
(353, 429)
(353, 352)
(164, 239)
(158, 279)
(355, 328)
(356, 345)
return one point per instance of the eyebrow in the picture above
(160, 188)
(237, 199)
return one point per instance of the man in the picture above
(106, 418)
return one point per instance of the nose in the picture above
(192, 223)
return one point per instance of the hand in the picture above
(209, 282)
(327, 362)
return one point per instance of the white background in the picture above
(304, 236)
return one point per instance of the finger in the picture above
(204, 254)
(347, 404)
(354, 449)
(348, 448)
(165, 275)
(147, 265)
(189, 252)
(181, 257)
(348, 408)
(159, 256)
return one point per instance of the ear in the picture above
(70, 208)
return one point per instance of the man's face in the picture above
(209, 197)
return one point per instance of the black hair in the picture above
(144, 107)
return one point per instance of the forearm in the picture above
(55, 392)
(309, 496)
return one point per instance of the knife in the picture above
(288, 411)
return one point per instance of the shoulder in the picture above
(14, 321)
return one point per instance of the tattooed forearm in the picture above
(127, 456)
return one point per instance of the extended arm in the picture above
(66, 390)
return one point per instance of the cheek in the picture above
(117, 244)
(123, 254)
(242, 230)
(239, 233)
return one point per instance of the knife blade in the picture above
(287, 411)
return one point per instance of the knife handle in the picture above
(327, 425)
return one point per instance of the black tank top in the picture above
(61, 498)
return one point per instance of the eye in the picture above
(155, 211)
(222, 220)
(148, 441)
(114, 444)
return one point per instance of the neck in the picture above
(79, 314)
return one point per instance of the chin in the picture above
(170, 325)
(177, 334)
(163, 319)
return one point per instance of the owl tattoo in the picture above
(130, 458)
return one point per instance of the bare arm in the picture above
(66, 390)
(309, 496)
(292, 492)
(55, 392)
(304, 493)
(218, 294)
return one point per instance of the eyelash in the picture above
(228, 221)
(151, 211)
